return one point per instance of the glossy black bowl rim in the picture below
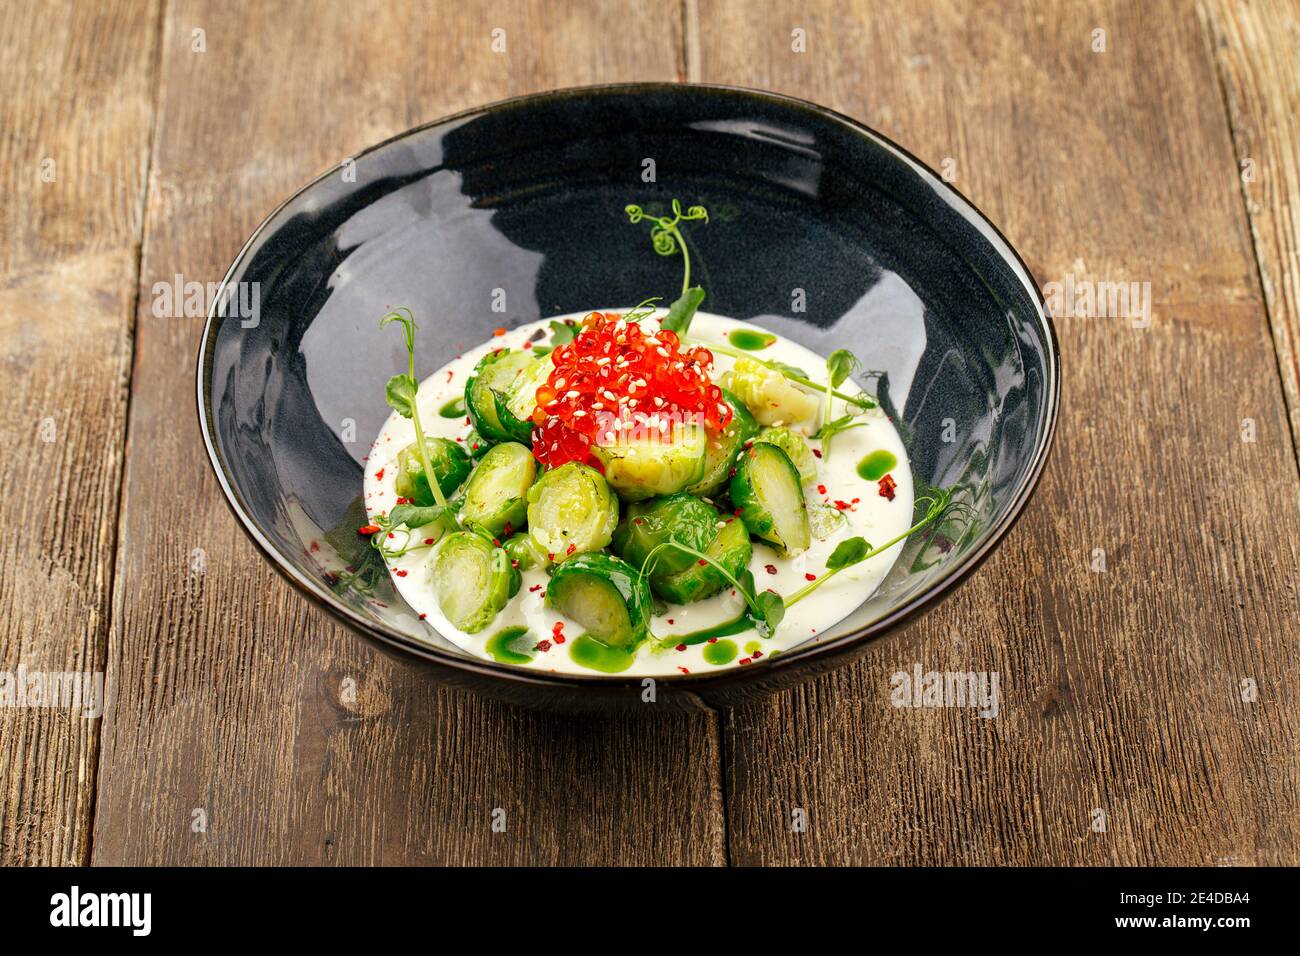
(806, 657)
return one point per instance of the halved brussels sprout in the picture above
(730, 547)
(485, 389)
(472, 580)
(723, 446)
(640, 467)
(524, 551)
(680, 517)
(521, 397)
(796, 449)
(605, 596)
(571, 510)
(497, 490)
(448, 461)
(772, 397)
(767, 490)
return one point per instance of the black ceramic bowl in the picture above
(821, 230)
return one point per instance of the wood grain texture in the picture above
(227, 739)
(1122, 690)
(75, 119)
(1255, 47)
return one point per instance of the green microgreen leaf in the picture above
(561, 332)
(400, 393)
(847, 552)
(683, 310)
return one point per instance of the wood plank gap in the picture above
(102, 651)
(691, 40)
(1276, 322)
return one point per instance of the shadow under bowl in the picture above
(820, 230)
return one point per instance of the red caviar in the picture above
(616, 373)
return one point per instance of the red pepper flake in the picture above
(496, 542)
(744, 660)
(499, 332)
(887, 486)
(535, 588)
(670, 620)
(400, 572)
(817, 452)
(737, 512)
(757, 655)
(843, 506)
(379, 475)
(528, 345)
(423, 616)
(821, 489)
(682, 669)
(368, 529)
(638, 521)
(508, 531)
(713, 640)
(542, 646)
(550, 556)
(702, 562)
(514, 562)
(403, 501)
(770, 568)
(428, 541)
(570, 549)
(474, 447)
(810, 577)
(681, 647)
(449, 374)
(315, 546)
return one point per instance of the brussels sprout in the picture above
(767, 491)
(491, 379)
(472, 580)
(496, 493)
(524, 551)
(640, 467)
(796, 449)
(680, 517)
(571, 510)
(772, 397)
(521, 397)
(723, 446)
(730, 547)
(448, 461)
(605, 596)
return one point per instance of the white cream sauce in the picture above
(869, 515)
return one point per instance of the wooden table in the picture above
(1149, 710)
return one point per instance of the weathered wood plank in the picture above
(1122, 691)
(75, 116)
(1255, 48)
(225, 705)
